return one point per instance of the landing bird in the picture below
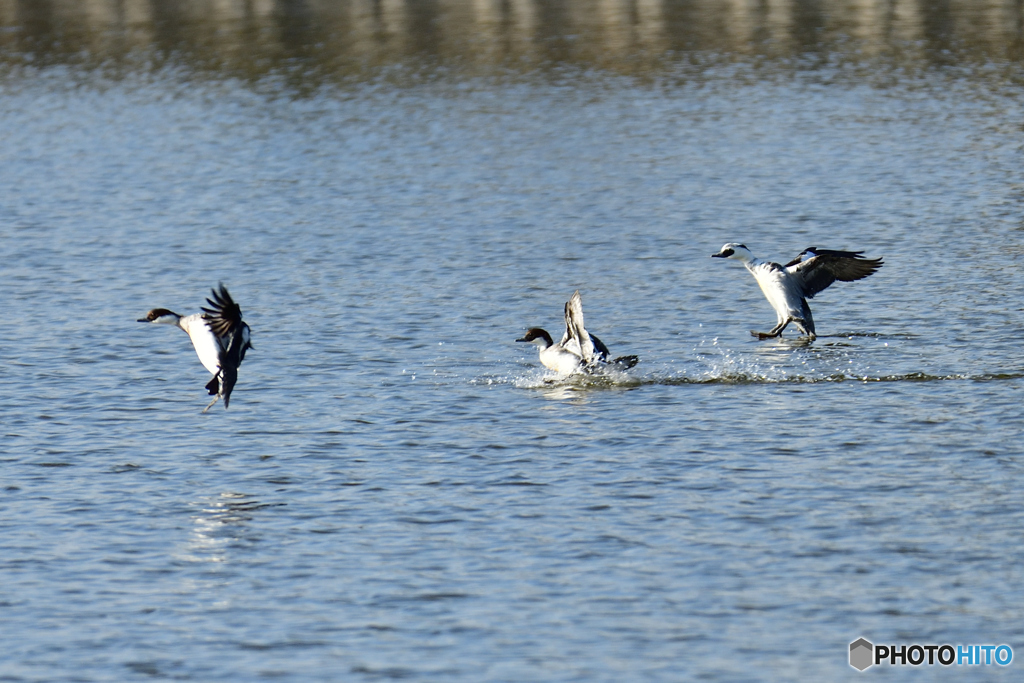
(219, 336)
(788, 287)
(578, 350)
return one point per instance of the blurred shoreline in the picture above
(331, 39)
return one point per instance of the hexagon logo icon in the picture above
(862, 654)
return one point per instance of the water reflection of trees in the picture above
(351, 36)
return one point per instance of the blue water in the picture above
(399, 490)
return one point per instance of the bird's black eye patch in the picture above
(727, 253)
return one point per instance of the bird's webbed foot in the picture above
(776, 331)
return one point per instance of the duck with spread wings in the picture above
(788, 287)
(578, 349)
(219, 336)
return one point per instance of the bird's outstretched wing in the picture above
(810, 252)
(828, 265)
(224, 316)
(588, 350)
(569, 336)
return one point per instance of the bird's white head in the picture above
(736, 251)
(161, 316)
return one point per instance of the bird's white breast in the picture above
(204, 340)
(559, 360)
(775, 285)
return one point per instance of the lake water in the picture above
(394, 192)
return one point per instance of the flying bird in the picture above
(219, 336)
(788, 287)
(578, 349)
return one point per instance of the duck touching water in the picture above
(578, 350)
(788, 287)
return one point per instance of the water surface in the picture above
(398, 490)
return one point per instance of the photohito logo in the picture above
(863, 654)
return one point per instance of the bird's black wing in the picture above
(823, 252)
(819, 272)
(225, 320)
(602, 351)
(224, 316)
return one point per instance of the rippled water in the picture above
(399, 490)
